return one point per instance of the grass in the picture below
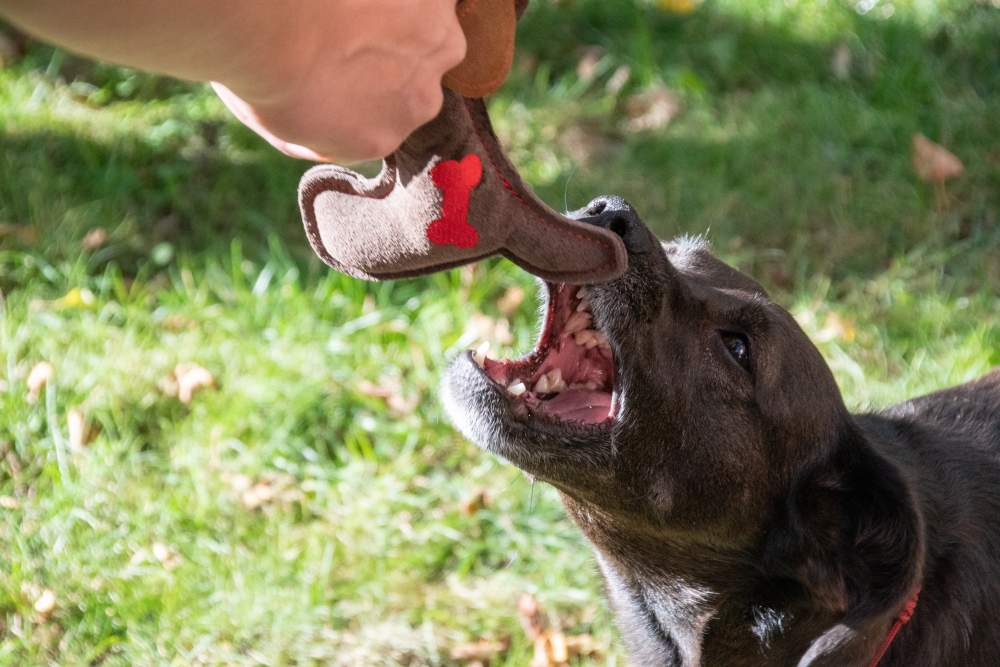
(372, 548)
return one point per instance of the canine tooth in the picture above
(480, 354)
(581, 337)
(591, 385)
(542, 386)
(583, 305)
(517, 388)
(582, 294)
(555, 378)
(578, 321)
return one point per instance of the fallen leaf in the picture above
(557, 648)
(178, 322)
(46, 602)
(482, 651)
(583, 645)
(682, 7)
(587, 66)
(37, 379)
(383, 390)
(165, 555)
(541, 657)
(187, 378)
(933, 162)
(259, 494)
(8, 502)
(651, 109)
(389, 390)
(94, 238)
(489, 329)
(77, 428)
(479, 500)
(529, 610)
(511, 299)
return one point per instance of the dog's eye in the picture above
(738, 347)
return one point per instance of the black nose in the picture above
(616, 215)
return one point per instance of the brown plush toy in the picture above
(449, 196)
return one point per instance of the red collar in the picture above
(903, 617)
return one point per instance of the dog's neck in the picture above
(681, 596)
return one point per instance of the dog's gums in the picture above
(570, 374)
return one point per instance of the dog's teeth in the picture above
(542, 386)
(480, 354)
(601, 340)
(577, 385)
(578, 321)
(583, 305)
(582, 294)
(591, 342)
(555, 378)
(517, 388)
(591, 385)
(582, 337)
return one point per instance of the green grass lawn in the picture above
(313, 506)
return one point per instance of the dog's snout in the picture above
(617, 215)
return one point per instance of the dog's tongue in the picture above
(585, 405)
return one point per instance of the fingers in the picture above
(360, 95)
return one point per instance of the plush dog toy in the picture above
(449, 195)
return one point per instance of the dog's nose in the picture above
(617, 215)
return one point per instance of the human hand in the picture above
(359, 78)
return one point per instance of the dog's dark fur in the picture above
(741, 515)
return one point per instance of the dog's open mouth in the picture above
(570, 374)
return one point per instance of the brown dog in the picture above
(739, 513)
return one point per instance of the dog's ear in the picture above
(850, 533)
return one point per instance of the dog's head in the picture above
(681, 412)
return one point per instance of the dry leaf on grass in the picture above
(529, 612)
(389, 390)
(46, 602)
(682, 7)
(482, 651)
(166, 556)
(185, 379)
(8, 502)
(552, 648)
(480, 500)
(652, 109)
(257, 495)
(586, 68)
(37, 379)
(487, 328)
(94, 238)
(511, 299)
(933, 162)
(80, 432)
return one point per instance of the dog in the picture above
(739, 513)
